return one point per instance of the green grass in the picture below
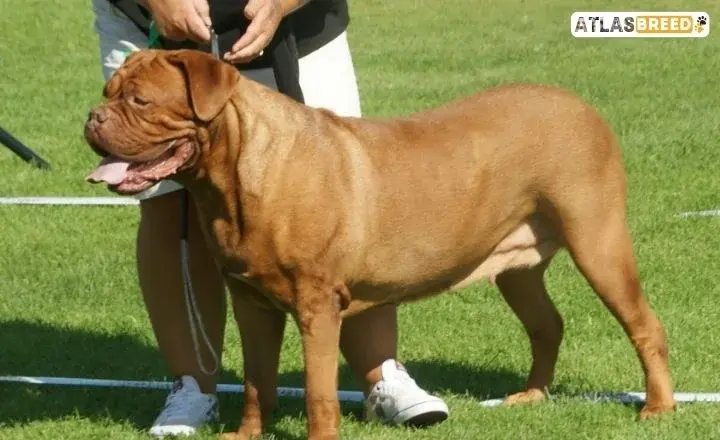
(70, 305)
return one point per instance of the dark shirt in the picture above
(315, 24)
(309, 28)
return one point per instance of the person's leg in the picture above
(161, 282)
(192, 401)
(368, 341)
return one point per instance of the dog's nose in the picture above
(97, 115)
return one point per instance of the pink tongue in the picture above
(111, 170)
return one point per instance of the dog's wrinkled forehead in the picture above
(189, 78)
(148, 76)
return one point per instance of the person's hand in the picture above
(264, 16)
(181, 19)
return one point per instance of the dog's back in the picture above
(453, 185)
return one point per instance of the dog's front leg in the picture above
(318, 317)
(261, 328)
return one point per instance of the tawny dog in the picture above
(328, 216)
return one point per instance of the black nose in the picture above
(97, 115)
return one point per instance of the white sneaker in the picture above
(397, 399)
(186, 409)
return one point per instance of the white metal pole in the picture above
(708, 213)
(631, 397)
(87, 201)
(344, 396)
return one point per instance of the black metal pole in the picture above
(21, 150)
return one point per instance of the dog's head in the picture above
(155, 118)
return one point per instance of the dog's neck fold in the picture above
(230, 177)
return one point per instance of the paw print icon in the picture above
(700, 23)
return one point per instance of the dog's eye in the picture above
(139, 101)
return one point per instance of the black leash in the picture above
(286, 61)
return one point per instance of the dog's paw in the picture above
(241, 434)
(532, 395)
(702, 20)
(330, 436)
(649, 412)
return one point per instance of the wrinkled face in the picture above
(154, 123)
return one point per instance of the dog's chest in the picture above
(259, 271)
(258, 290)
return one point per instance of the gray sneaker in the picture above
(186, 409)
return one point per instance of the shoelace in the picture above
(399, 382)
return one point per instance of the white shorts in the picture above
(327, 76)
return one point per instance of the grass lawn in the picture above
(70, 305)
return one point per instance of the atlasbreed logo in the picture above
(640, 24)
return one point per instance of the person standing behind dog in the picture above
(327, 79)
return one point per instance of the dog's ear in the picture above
(210, 82)
(112, 86)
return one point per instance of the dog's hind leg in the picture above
(524, 290)
(599, 241)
